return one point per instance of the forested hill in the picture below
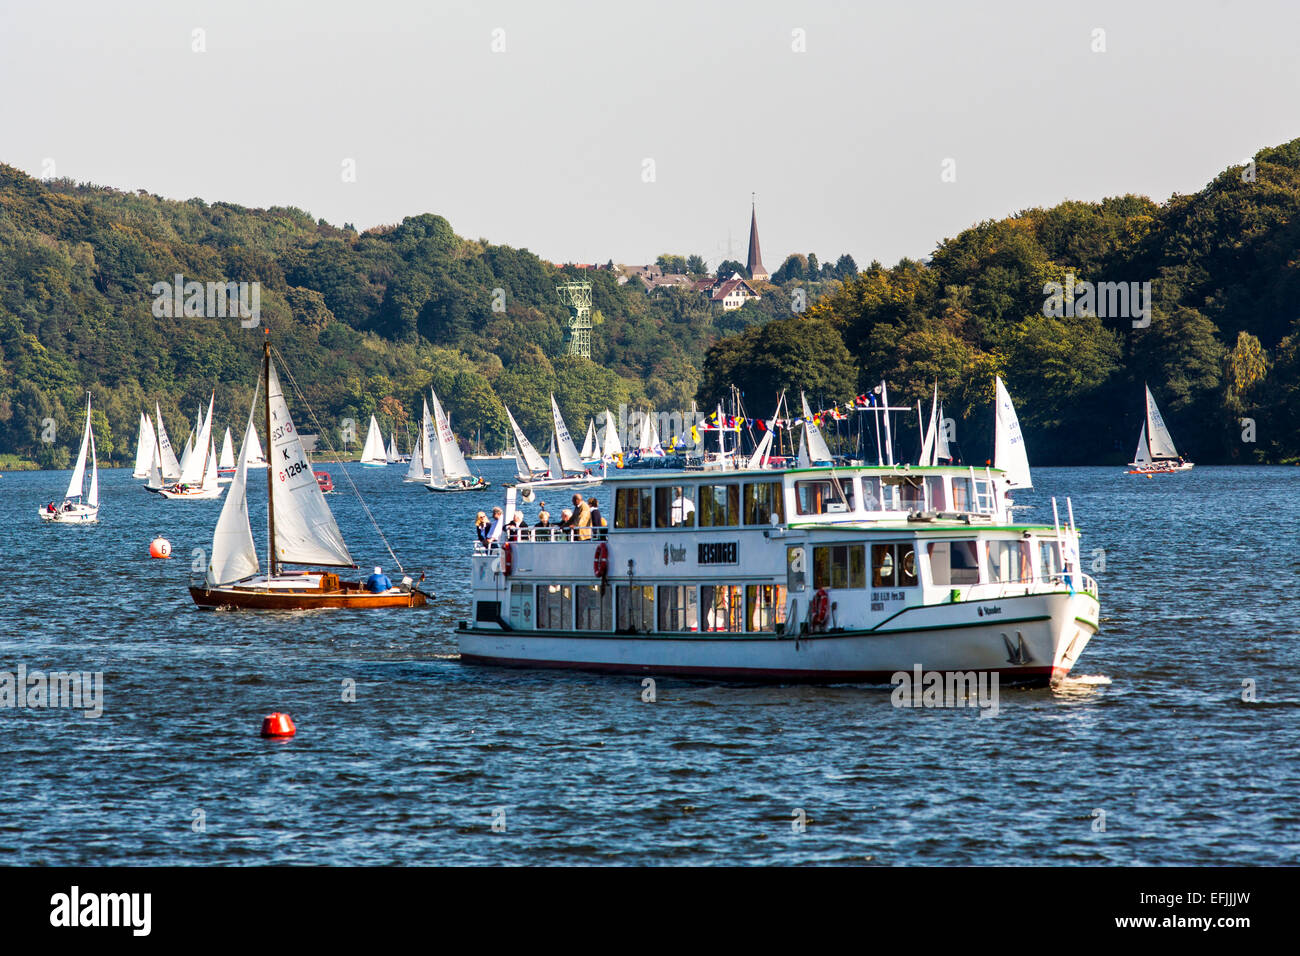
(1222, 345)
(366, 322)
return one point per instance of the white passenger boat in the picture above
(823, 574)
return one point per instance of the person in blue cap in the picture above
(378, 582)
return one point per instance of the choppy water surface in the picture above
(1199, 593)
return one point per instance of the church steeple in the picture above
(755, 263)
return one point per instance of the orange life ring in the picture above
(821, 606)
(507, 557)
(601, 562)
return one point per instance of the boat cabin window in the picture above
(554, 606)
(910, 493)
(983, 496)
(1049, 560)
(765, 607)
(961, 495)
(893, 565)
(840, 566)
(723, 608)
(822, 496)
(719, 506)
(521, 605)
(763, 500)
(636, 609)
(1009, 561)
(938, 497)
(953, 562)
(595, 610)
(675, 506)
(677, 609)
(632, 508)
(878, 496)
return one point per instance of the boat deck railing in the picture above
(548, 535)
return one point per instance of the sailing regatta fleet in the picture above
(773, 563)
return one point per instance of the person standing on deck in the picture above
(581, 517)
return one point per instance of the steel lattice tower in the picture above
(577, 296)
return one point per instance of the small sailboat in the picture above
(449, 472)
(1156, 454)
(374, 455)
(301, 530)
(564, 467)
(198, 480)
(418, 469)
(226, 463)
(76, 508)
(611, 449)
(590, 454)
(168, 466)
(144, 446)
(392, 455)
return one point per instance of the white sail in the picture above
(416, 469)
(928, 443)
(194, 468)
(1159, 440)
(155, 473)
(210, 482)
(524, 447)
(227, 460)
(432, 446)
(817, 447)
(941, 450)
(171, 468)
(611, 446)
(255, 454)
(92, 499)
(589, 443)
(1143, 454)
(392, 448)
(373, 453)
(804, 460)
(453, 459)
(305, 530)
(759, 458)
(79, 471)
(187, 454)
(144, 443)
(234, 555)
(1008, 444)
(554, 468)
(570, 460)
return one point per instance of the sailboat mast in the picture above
(270, 464)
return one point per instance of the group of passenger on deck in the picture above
(582, 522)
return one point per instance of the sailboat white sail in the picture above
(391, 454)
(418, 468)
(611, 445)
(144, 445)
(187, 454)
(941, 450)
(762, 452)
(589, 446)
(570, 460)
(170, 467)
(453, 459)
(804, 460)
(1142, 457)
(554, 468)
(256, 459)
(79, 470)
(1160, 442)
(1008, 444)
(210, 480)
(373, 453)
(305, 530)
(74, 510)
(817, 447)
(929, 443)
(155, 481)
(525, 452)
(92, 496)
(227, 460)
(234, 555)
(195, 465)
(649, 445)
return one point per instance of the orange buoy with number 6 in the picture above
(160, 547)
(278, 725)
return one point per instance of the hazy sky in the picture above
(544, 144)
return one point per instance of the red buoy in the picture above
(160, 547)
(278, 725)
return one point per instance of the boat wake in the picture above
(1086, 680)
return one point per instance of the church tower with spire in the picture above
(757, 270)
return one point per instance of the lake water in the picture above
(1200, 592)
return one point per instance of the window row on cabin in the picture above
(736, 504)
(731, 608)
(894, 564)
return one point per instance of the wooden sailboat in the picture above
(448, 470)
(301, 530)
(75, 510)
(1156, 454)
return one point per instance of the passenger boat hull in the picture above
(1035, 639)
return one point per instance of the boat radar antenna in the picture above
(577, 296)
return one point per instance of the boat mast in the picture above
(270, 464)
